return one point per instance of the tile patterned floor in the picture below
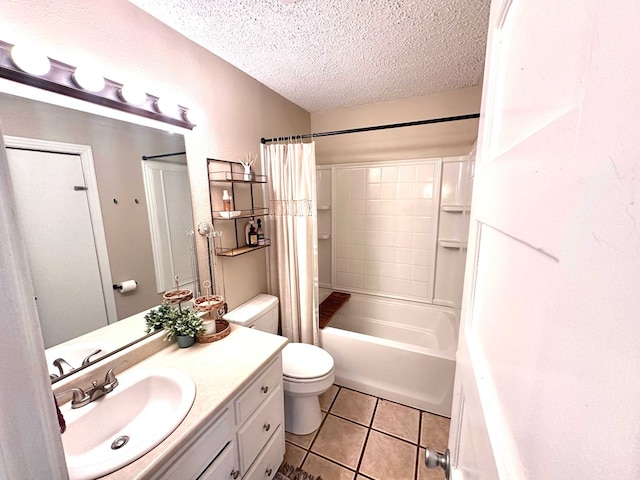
(368, 438)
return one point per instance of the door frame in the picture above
(97, 225)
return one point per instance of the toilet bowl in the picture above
(308, 371)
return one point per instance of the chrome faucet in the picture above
(58, 363)
(84, 397)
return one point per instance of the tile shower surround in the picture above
(386, 228)
(364, 437)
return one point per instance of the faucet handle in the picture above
(58, 364)
(79, 399)
(87, 359)
(110, 377)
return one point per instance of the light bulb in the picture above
(194, 116)
(133, 94)
(88, 79)
(30, 60)
(167, 106)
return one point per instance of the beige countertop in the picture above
(220, 370)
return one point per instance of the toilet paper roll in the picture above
(128, 286)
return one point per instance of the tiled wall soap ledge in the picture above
(447, 243)
(324, 207)
(324, 236)
(455, 208)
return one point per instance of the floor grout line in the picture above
(369, 427)
(366, 438)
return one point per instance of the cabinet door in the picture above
(256, 432)
(225, 467)
(194, 457)
(266, 465)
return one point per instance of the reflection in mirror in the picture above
(85, 215)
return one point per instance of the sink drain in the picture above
(119, 442)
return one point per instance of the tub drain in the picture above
(119, 442)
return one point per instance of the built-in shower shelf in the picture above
(324, 207)
(455, 208)
(324, 236)
(448, 243)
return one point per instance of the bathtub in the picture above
(398, 350)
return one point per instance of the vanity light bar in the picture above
(61, 78)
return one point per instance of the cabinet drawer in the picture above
(256, 393)
(194, 457)
(267, 464)
(224, 467)
(257, 431)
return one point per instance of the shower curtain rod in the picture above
(377, 127)
(149, 157)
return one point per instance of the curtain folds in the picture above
(292, 259)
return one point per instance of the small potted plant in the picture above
(156, 317)
(183, 324)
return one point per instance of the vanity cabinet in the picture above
(225, 175)
(244, 441)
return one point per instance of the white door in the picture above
(548, 375)
(53, 212)
(168, 197)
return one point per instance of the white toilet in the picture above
(308, 370)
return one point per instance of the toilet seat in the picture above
(302, 362)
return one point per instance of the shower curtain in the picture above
(292, 260)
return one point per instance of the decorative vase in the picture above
(248, 174)
(185, 341)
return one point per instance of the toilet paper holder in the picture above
(125, 286)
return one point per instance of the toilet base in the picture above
(302, 414)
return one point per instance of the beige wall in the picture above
(436, 140)
(127, 43)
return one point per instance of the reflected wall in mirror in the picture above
(73, 291)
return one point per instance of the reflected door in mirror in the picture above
(57, 230)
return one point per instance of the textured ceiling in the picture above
(326, 54)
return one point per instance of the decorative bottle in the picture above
(260, 233)
(247, 227)
(226, 201)
(253, 236)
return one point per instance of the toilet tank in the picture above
(261, 312)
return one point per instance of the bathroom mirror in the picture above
(115, 156)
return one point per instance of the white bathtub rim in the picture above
(448, 354)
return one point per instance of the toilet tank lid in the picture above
(251, 310)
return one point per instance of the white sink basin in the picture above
(120, 427)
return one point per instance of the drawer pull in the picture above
(266, 427)
(268, 472)
(234, 474)
(264, 389)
